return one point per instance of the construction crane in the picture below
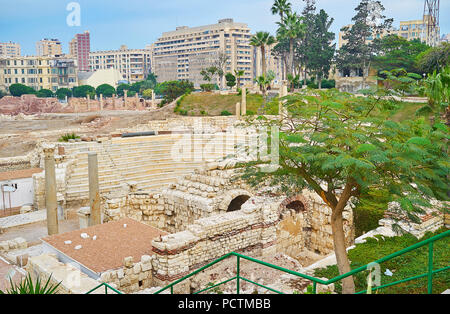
(431, 20)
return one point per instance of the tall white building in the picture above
(133, 64)
(183, 53)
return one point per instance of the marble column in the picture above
(51, 202)
(94, 191)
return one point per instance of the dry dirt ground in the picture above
(19, 136)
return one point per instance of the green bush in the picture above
(20, 89)
(63, 92)
(67, 137)
(328, 84)
(183, 112)
(369, 210)
(207, 87)
(226, 113)
(44, 93)
(28, 286)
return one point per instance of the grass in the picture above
(406, 111)
(408, 265)
(211, 104)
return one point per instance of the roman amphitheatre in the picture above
(143, 197)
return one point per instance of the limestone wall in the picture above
(132, 277)
(73, 281)
(252, 228)
(148, 208)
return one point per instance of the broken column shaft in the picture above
(51, 202)
(94, 192)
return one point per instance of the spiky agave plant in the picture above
(27, 286)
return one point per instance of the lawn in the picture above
(408, 265)
(211, 104)
(406, 111)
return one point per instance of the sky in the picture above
(137, 23)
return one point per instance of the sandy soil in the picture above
(18, 137)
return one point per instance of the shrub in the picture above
(207, 87)
(183, 112)
(67, 137)
(20, 89)
(226, 113)
(328, 84)
(63, 92)
(27, 286)
(44, 93)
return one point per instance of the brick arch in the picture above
(289, 200)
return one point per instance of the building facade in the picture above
(38, 72)
(133, 64)
(410, 30)
(9, 49)
(183, 53)
(48, 47)
(418, 29)
(80, 48)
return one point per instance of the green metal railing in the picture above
(429, 274)
(107, 287)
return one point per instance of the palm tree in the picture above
(281, 7)
(261, 40)
(291, 28)
(238, 74)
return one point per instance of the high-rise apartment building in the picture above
(414, 29)
(183, 53)
(418, 29)
(133, 64)
(9, 49)
(80, 48)
(38, 72)
(48, 47)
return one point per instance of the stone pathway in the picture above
(23, 219)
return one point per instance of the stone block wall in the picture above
(252, 228)
(14, 244)
(72, 280)
(148, 208)
(132, 277)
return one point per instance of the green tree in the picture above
(437, 88)
(121, 88)
(174, 89)
(231, 80)
(209, 73)
(264, 81)
(20, 89)
(356, 54)
(396, 52)
(262, 40)
(152, 79)
(239, 74)
(83, 91)
(434, 59)
(342, 147)
(281, 7)
(399, 81)
(61, 93)
(290, 29)
(106, 90)
(321, 49)
(44, 93)
(2, 94)
(147, 94)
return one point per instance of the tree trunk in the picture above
(263, 59)
(291, 55)
(348, 286)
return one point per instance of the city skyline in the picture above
(141, 24)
